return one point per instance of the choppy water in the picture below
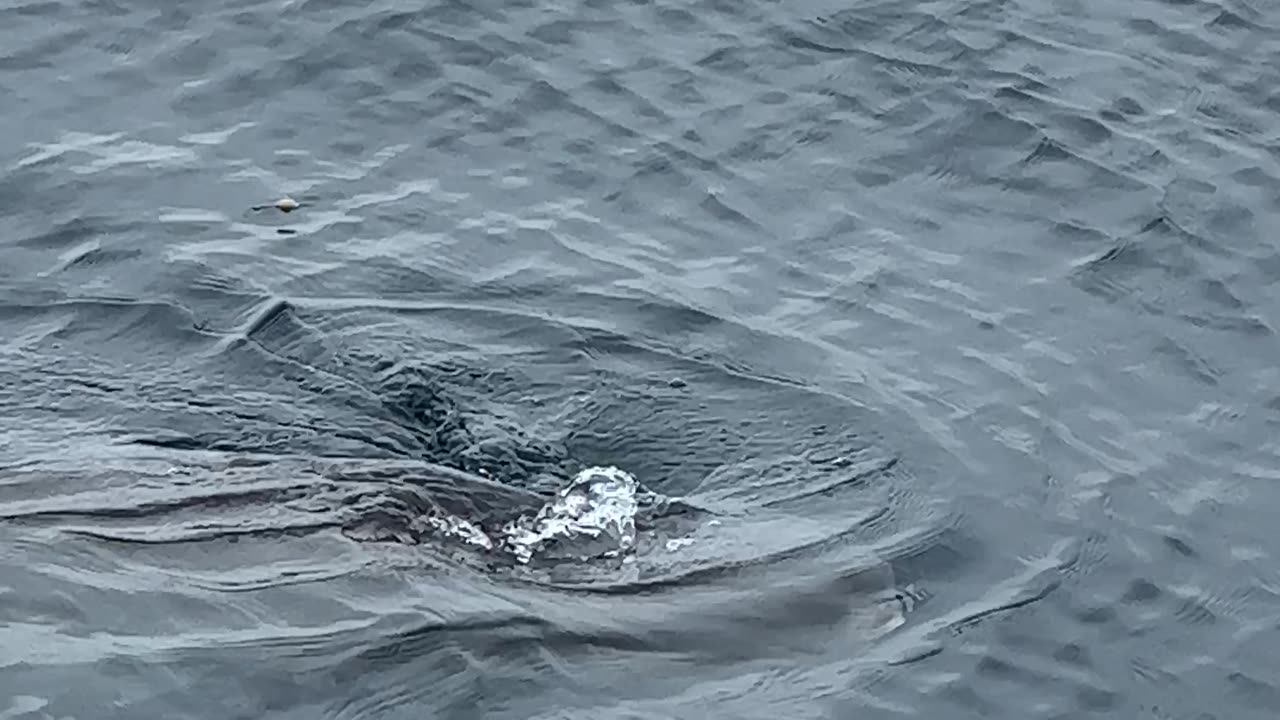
(923, 352)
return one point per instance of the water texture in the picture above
(639, 360)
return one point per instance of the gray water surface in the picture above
(939, 336)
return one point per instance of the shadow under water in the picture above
(277, 523)
(217, 552)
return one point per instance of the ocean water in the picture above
(639, 360)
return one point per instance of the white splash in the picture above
(459, 528)
(593, 516)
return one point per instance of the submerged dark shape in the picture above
(166, 496)
(708, 579)
(196, 494)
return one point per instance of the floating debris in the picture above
(285, 204)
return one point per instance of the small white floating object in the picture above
(284, 204)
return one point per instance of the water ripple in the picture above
(937, 337)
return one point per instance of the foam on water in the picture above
(593, 516)
(459, 528)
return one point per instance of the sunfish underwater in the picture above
(173, 496)
(599, 554)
